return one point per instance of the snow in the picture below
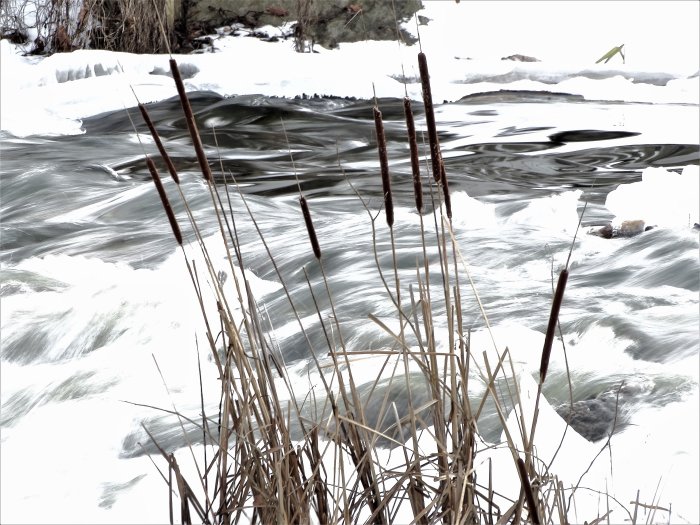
(661, 198)
(464, 43)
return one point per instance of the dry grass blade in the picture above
(164, 200)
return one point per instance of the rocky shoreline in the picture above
(118, 25)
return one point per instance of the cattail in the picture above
(384, 166)
(553, 317)
(415, 163)
(191, 124)
(164, 200)
(529, 496)
(159, 143)
(446, 190)
(430, 116)
(310, 227)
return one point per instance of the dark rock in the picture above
(326, 23)
(592, 418)
(520, 58)
(599, 417)
(625, 229)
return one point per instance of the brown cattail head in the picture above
(191, 124)
(310, 228)
(384, 166)
(415, 163)
(429, 116)
(164, 199)
(159, 144)
(553, 318)
(445, 190)
(529, 496)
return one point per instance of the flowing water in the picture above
(94, 292)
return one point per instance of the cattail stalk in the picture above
(415, 163)
(310, 227)
(384, 167)
(164, 199)
(159, 144)
(191, 124)
(553, 318)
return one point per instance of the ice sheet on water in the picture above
(661, 198)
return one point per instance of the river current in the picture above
(94, 291)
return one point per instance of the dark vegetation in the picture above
(187, 25)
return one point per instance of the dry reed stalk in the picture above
(319, 486)
(384, 167)
(310, 227)
(553, 317)
(191, 123)
(413, 145)
(164, 200)
(159, 144)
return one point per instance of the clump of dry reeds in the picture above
(253, 467)
(66, 25)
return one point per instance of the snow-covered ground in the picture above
(464, 43)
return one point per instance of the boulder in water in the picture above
(624, 229)
(520, 58)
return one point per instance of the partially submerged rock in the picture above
(624, 229)
(520, 58)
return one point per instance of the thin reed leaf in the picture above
(164, 200)
(310, 227)
(553, 317)
(413, 145)
(191, 124)
(384, 167)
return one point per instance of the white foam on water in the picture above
(134, 343)
(468, 212)
(556, 212)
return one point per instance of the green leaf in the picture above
(614, 51)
